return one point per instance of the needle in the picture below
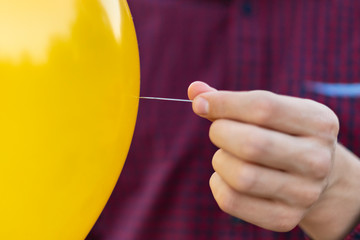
(166, 99)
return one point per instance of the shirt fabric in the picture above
(291, 47)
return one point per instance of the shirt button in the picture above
(247, 8)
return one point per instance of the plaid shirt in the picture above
(302, 48)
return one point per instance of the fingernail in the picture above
(201, 106)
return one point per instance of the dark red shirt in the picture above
(302, 48)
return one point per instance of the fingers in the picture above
(273, 149)
(197, 88)
(282, 113)
(275, 157)
(262, 212)
(258, 181)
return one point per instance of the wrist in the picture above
(338, 210)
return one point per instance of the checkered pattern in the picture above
(277, 45)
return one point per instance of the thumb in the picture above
(194, 90)
(197, 88)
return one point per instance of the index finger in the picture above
(290, 115)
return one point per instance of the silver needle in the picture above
(166, 99)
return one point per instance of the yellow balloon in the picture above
(69, 87)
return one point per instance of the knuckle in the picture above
(264, 106)
(329, 124)
(225, 201)
(221, 99)
(286, 220)
(254, 146)
(334, 126)
(311, 196)
(285, 226)
(330, 128)
(320, 164)
(246, 179)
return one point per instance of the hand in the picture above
(275, 165)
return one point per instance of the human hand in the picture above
(276, 156)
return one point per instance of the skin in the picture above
(279, 164)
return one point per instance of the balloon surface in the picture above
(69, 87)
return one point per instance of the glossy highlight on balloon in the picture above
(69, 87)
